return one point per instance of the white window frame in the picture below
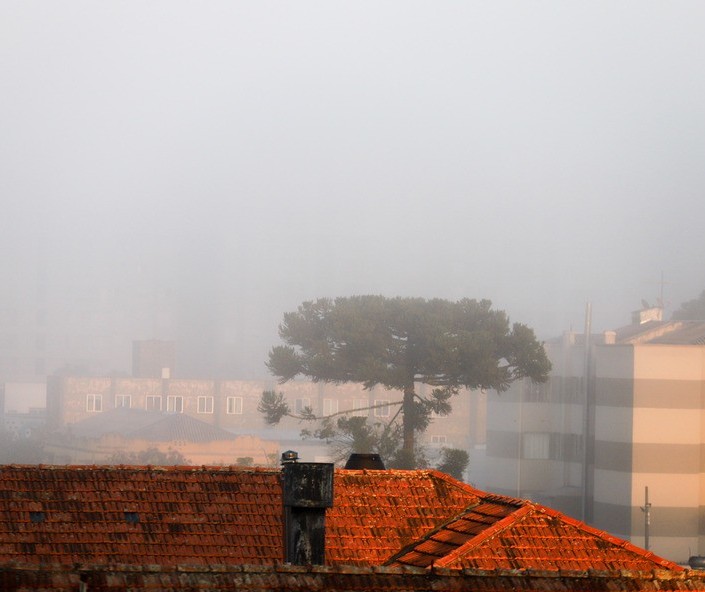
(301, 404)
(439, 439)
(360, 408)
(382, 411)
(330, 407)
(120, 401)
(205, 404)
(153, 399)
(171, 404)
(94, 403)
(234, 405)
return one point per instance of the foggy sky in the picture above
(224, 161)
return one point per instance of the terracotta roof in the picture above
(492, 536)
(208, 516)
(376, 513)
(139, 515)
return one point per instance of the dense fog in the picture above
(191, 171)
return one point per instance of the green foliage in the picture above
(396, 343)
(692, 310)
(273, 407)
(150, 456)
(454, 461)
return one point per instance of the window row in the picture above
(234, 405)
(173, 404)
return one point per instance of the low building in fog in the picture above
(232, 405)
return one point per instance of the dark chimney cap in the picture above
(358, 460)
(290, 456)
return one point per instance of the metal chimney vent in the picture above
(358, 460)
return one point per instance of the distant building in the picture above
(644, 409)
(232, 405)
(119, 433)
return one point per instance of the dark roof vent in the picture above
(358, 460)
(290, 456)
(36, 517)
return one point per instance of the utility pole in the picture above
(586, 410)
(647, 517)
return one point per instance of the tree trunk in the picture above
(408, 423)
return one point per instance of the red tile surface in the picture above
(208, 515)
(376, 513)
(233, 516)
(527, 537)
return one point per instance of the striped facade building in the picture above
(640, 473)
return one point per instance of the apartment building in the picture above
(640, 472)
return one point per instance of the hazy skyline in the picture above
(234, 159)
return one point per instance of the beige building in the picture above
(644, 409)
(232, 405)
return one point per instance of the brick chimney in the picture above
(307, 491)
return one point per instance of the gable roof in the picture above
(153, 426)
(526, 538)
(169, 516)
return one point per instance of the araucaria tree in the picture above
(401, 342)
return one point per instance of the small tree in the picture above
(399, 342)
(454, 461)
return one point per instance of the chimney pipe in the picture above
(359, 460)
(307, 492)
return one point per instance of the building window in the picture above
(330, 406)
(94, 403)
(360, 407)
(153, 403)
(175, 404)
(382, 411)
(438, 439)
(536, 392)
(536, 445)
(123, 401)
(234, 405)
(205, 405)
(302, 406)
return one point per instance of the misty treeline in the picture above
(398, 343)
(691, 310)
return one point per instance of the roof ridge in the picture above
(470, 508)
(492, 530)
(610, 538)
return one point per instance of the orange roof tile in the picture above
(206, 516)
(376, 513)
(530, 537)
(170, 515)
